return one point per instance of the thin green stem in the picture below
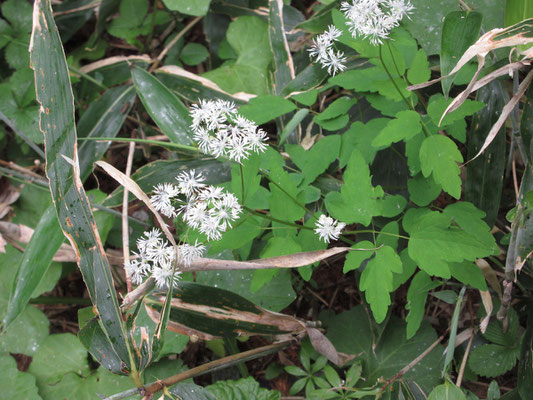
(374, 232)
(154, 142)
(424, 128)
(87, 77)
(242, 182)
(271, 218)
(61, 300)
(286, 193)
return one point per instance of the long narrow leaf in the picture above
(283, 66)
(54, 95)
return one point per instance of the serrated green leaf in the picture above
(419, 71)
(276, 246)
(416, 302)
(196, 8)
(360, 137)
(355, 258)
(376, 280)
(386, 106)
(434, 243)
(470, 219)
(438, 104)
(502, 359)
(360, 80)
(353, 332)
(439, 156)
(167, 111)
(317, 159)
(193, 54)
(14, 383)
(446, 391)
(336, 109)
(358, 200)
(243, 389)
(469, 274)
(59, 355)
(262, 109)
(422, 190)
(405, 126)
(459, 30)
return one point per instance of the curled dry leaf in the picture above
(8, 195)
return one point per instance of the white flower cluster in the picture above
(220, 131)
(207, 208)
(156, 258)
(322, 50)
(374, 19)
(328, 228)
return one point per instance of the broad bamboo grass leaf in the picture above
(167, 111)
(283, 66)
(192, 87)
(158, 339)
(484, 176)
(460, 29)
(54, 94)
(104, 118)
(211, 313)
(526, 125)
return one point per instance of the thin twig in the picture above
(125, 227)
(463, 362)
(405, 369)
(172, 43)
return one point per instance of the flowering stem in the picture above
(242, 183)
(271, 218)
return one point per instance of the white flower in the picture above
(328, 228)
(190, 182)
(187, 253)
(220, 131)
(162, 199)
(323, 52)
(374, 19)
(163, 276)
(134, 271)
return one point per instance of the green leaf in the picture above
(262, 109)
(129, 23)
(197, 8)
(18, 14)
(469, 274)
(353, 332)
(101, 382)
(355, 258)
(439, 156)
(73, 209)
(423, 191)
(282, 205)
(59, 355)
(193, 54)
(306, 98)
(317, 159)
(360, 136)
(525, 367)
(26, 333)
(358, 199)
(403, 127)
(419, 71)
(460, 29)
(470, 219)
(309, 78)
(167, 111)
(434, 243)
(292, 124)
(243, 389)
(249, 72)
(416, 302)
(276, 246)
(336, 109)
(283, 66)
(14, 383)
(360, 80)
(516, 11)
(446, 391)
(409, 267)
(438, 104)
(502, 359)
(275, 295)
(376, 280)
